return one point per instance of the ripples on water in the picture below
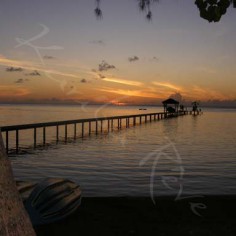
(109, 164)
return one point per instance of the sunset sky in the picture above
(57, 50)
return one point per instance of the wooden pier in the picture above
(112, 123)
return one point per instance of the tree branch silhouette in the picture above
(210, 10)
(144, 6)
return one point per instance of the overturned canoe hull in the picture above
(50, 200)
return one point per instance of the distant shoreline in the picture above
(110, 105)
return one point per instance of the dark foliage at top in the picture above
(210, 10)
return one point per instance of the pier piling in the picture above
(17, 141)
(75, 131)
(66, 133)
(35, 137)
(82, 127)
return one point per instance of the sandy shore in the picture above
(139, 216)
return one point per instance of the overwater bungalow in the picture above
(171, 106)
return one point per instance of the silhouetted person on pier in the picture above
(195, 107)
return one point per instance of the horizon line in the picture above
(202, 105)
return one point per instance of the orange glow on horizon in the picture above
(54, 84)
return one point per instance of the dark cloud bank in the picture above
(14, 69)
(104, 66)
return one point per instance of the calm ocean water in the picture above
(186, 155)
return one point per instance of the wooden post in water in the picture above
(108, 125)
(75, 127)
(57, 133)
(145, 118)
(65, 133)
(89, 128)
(101, 125)
(96, 127)
(150, 118)
(17, 141)
(44, 135)
(82, 124)
(140, 120)
(35, 137)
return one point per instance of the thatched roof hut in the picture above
(170, 101)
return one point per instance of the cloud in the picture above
(104, 66)
(155, 59)
(98, 42)
(83, 81)
(177, 96)
(122, 81)
(198, 92)
(11, 91)
(14, 69)
(132, 93)
(29, 66)
(167, 85)
(48, 57)
(20, 81)
(97, 74)
(34, 73)
(133, 59)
